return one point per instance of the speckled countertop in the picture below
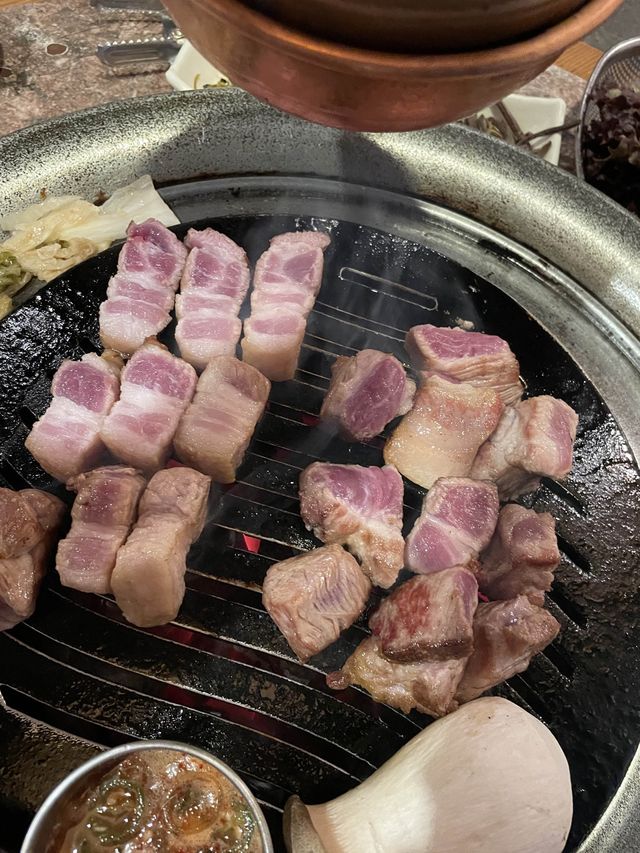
(48, 64)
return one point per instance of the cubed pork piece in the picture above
(506, 635)
(533, 439)
(441, 434)
(427, 686)
(521, 557)
(315, 596)
(103, 513)
(66, 440)
(148, 578)
(156, 389)
(286, 282)
(360, 508)
(217, 427)
(214, 283)
(22, 573)
(20, 528)
(457, 521)
(367, 391)
(428, 618)
(460, 356)
(140, 295)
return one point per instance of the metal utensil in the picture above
(135, 52)
(150, 10)
(619, 66)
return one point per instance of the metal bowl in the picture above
(43, 825)
(348, 87)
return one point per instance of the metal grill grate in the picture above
(221, 676)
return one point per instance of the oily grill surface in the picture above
(221, 676)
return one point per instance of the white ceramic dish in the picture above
(534, 114)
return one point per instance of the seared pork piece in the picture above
(506, 635)
(140, 295)
(533, 439)
(315, 596)
(427, 686)
(441, 434)
(213, 286)
(286, 282)
(367, 391)
(21, 574)
(360, 508)
(102, 516)
(458, 519)
(148, 578)
(20, 528)
(428, 617)
(66, 440)
(521, 557)
(156, 389)
(217, 427)
(482, 360)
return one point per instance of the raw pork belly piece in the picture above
(315, 596)
(66, 440)
(521, 557)
(156, 389)
(428, 617)
(285, 285)
(360, 508)
(148, 578)
(533, 439)
(506, 635)
(102, 516)
(217, 427)
(21, 574)
(427, 686)
(367, 391)
(441, 434)
(457, 521)
(460, 356)
(214, 283)
(140, 295)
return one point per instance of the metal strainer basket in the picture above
(619, 66)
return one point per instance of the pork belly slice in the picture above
(360, 508)
(213, 286)
(66, 440)
(140, 296)
(156, 389)
(428, 618)
(533, 439)
(367, 391)
(457, 521)
(506, 635)
(427, 686)
(521, 557)
(315, 596)
(460, 356)
(441, 434)
(217, 427)
(286, 282)
(148, 578)
(102, 515)
(21, 574)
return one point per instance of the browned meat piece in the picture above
(360, 508)
(103, 512)
(20, 529)
(522, 555)
(217, 427)
(428, 618)
(315, 596)
(506, 635)
(148, 578)
(427, 686)
(21, 576)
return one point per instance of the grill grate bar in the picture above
(355, 325)
(352, 276)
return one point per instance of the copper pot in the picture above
(342, 86)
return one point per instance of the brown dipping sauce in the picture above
(158, 801)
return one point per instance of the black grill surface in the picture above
(77, 677)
